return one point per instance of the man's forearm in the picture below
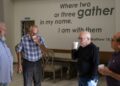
(114, 75)
(19, 58)
(43, 48)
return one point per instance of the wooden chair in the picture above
(49, 66)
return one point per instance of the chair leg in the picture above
(54, 76)
(61, 74)
(43, 76)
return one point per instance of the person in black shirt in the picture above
(87, 56)
(112, 70)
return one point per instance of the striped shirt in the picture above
(30, 50)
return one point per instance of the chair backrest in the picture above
(48, 58)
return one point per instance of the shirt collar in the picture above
(116, 53)
(28, 36)
(2, 40)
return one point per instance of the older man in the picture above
(87, 56)
(112, 72)
(32, 47)
(6, 59)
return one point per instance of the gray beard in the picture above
(3, 38)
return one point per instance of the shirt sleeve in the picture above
(19, 46)
(95, 60)
(74, 54)
(42, 41)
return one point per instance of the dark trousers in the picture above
(32, 72)
(4, 84)
(84, 81)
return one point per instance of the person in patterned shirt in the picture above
(112, 72)
(32, 47)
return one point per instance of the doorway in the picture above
(25, 26)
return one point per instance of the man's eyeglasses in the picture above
(117, 40)
(113, 40)
(80, 38)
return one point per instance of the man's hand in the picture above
(104, 71)
(36, 39)
(42, 46)
(19, 68)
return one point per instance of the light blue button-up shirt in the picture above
(6, 63)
